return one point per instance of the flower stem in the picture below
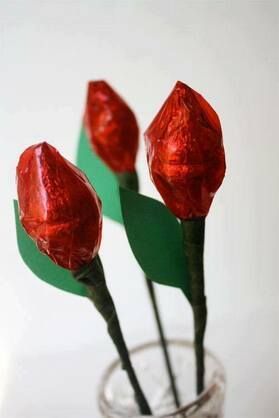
(193, 234)
(151, 290)
(130, 181)
(93, 277)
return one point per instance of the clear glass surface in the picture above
(116, 399)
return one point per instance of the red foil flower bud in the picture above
(185, 152)
(58, 207)
(111, 127)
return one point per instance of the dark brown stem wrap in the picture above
(93, 277)
(193, 233)
(151, 290)
(129, 180)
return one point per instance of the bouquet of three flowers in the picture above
(61, 211)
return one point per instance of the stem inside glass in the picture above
(116, 397)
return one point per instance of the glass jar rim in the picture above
(186, 410)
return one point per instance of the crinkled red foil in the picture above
(111, 127)
(58, 207)
(185, 152)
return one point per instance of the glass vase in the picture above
(116, 398)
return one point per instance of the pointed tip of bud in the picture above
(181, 84)
(98, 84)
(44, 147)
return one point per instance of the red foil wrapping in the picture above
(58, 207)
(185, 152)
(111, 127)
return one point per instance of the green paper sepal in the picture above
(156, 239)
(42, 266)
(101, 177)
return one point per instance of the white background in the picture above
(53, 345)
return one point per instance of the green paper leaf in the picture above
(101, 177)
(41, 265)
(155, 237)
